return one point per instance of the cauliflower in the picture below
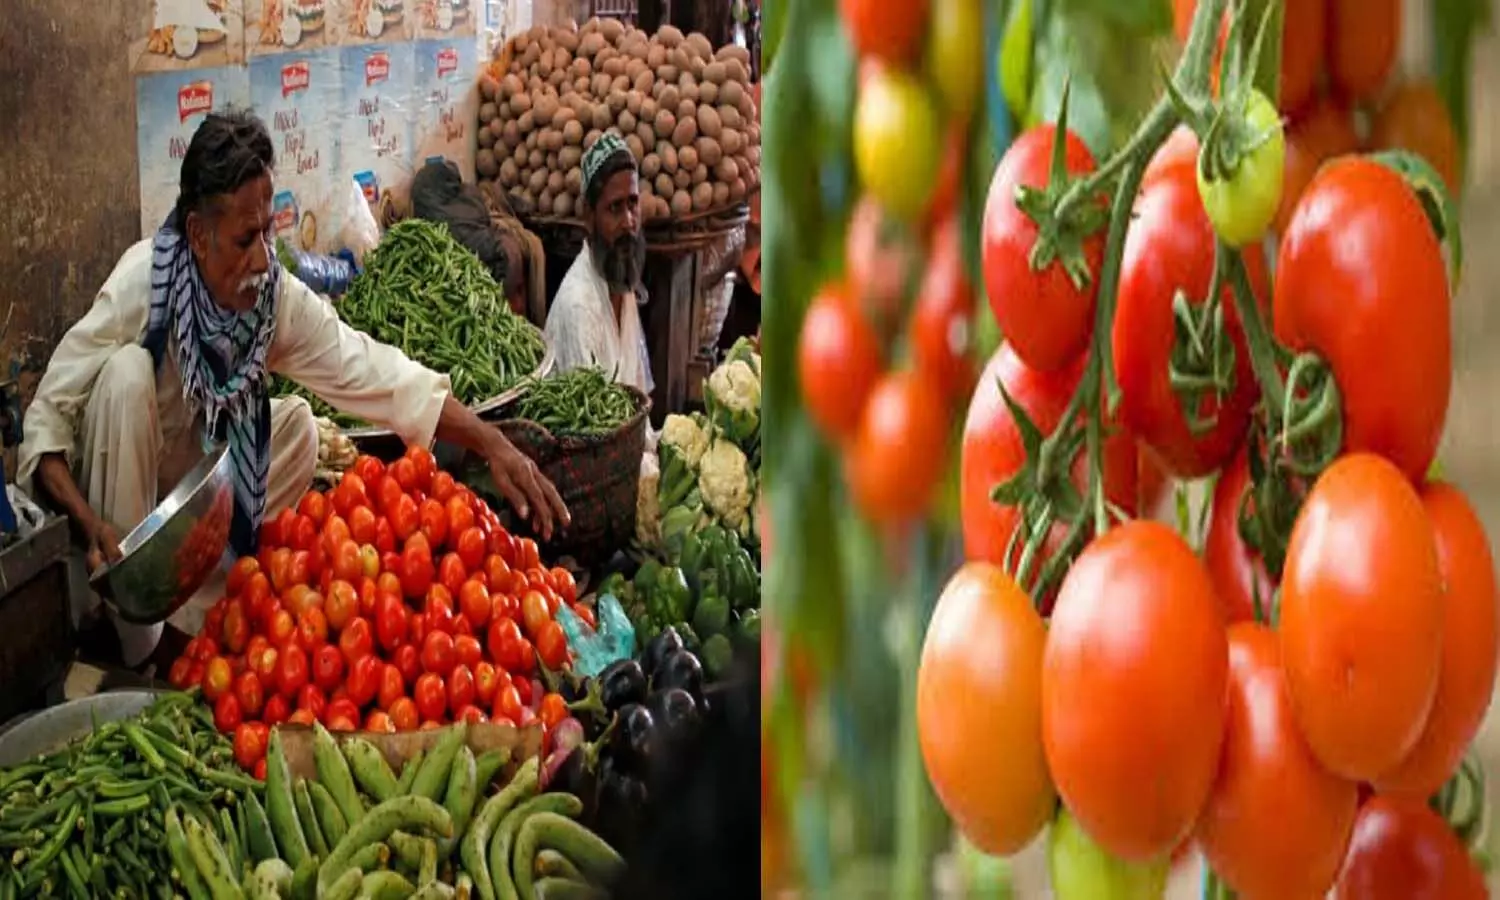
(724, 479)
(647, 507)
(686, 436)
(733, 401)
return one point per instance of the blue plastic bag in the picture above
(593, 650)
(329, 275)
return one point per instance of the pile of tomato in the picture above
(392, 602)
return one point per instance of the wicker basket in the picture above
(598, 478)
(679, 234)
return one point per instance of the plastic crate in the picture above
(36, 625)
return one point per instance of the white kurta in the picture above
(126, 430)
(582, 328)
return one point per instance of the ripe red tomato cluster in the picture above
(394, 601)
(204, 545)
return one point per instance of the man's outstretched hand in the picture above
(526, 489)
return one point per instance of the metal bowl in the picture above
(169, 556)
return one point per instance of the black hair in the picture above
(616, 162)
(229, 150)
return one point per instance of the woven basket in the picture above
(598, 478)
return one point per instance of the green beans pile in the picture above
(428, 295)
(90, 820)
(579, 401)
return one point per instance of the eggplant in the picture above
(680, 669)
(659, 648)
(634, 743)
(575, 689)
(621, 683)
(620, 807)
(676, 715)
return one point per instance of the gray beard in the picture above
(620, 264)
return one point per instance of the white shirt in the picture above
(582, 328)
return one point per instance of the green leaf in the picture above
(1142, 17)
(1015, 58)
(1441, 210)
(1455, 23)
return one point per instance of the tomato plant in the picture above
(1362, 617)
(898, 457)
(1170, 248)
(1364, 36)
(1360, 249)
(1080, 869)
(1044, 315)
(984, 643)
(1402, 849)
(1466, 676)
(940, 326)
(1242, 201)
(898, 138)
(1238, 573)
(1132, 729)
(1277, 822)
(838, 360)
(1413, 117)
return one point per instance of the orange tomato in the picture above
(891, 32)
(978, 700)
(899, 456)
(1363, 36)
(1362, 617)
(1415, 118)
(1467, 675)
(838, 362)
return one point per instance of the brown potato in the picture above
(637, 149)
(686, 132)
(703, 196)
(603, 117)
(581, 68)
(562, 204)
(644, 81)
(520, 102)
(626, 121)
(664, 185)
(666, 122)
(648, 110)
(485, 164)
(566, 38)
(509, 172)
(522, 155)
(668, 155)
(721, 195)
(551, 162)
(537, 160)
(699, 45)
(680, 57)
(489, 88)
(738, 190)
(667, 73)
(656, 57)
(727, 169)
(708, 93)
(614, 67)
(684, 178)
(486, 137)
(527, 122)
(737, 71)
(544, 202)
(731, 141)
(537, 182)
(593, 135)
(731, 118)
(591, 44)
(709, 123)
(573, 179)
(563, 116)
(616, 101)
(668, 97)
(650, 167)
(669, 36)
(612, 29)
(646, 131)
(701, 174)
(709, 151)
(682, 203)
(511, 86)
(569, 156)
(687, 157)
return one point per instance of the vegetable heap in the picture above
(579, 401)
(1293, 692)
(94, 818)
(435, 832)
(426, 294)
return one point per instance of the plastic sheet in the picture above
(330, 275)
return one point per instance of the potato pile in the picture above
(685, 111)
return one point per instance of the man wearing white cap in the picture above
(595, 320)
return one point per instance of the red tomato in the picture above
(257, 590)
(299, 571)
(424, 464)
(438, 655)
(507, 704)
(442, 487)
(250, 693)
(1178, 150)
(388, 492)
(528, 555)
(390, 621)
(452, 573)
(899, 455)
(503, 545)
(943, 319)
(218, 679)
(368, 468)
(474, 602)
(328, 667)
(312, 700)
(312, 629)
(1277, 822)
(1360, 249)
(404, 517)
(348, 565)
(379, 723)
(403, 714)
(178, 675)
(434, 522)
(236, 628)
(302, 717)
(1042, 314)
(281, 628)
(1170, 248)
(304, 534)
(1363, 37)
(385, 537)
(471, 714)
(1467, 674)
(535, 612)
(504, 644)
(341, 605)
(279, 569)
(341, 724)
(416, 628)
(364, 680)
(227, 714)
(526, 663)
(461, 689)
(250, 742)
(296, 598)
(335, 532)
(431, 696)
(291, 670)
(586, 614)
(553, 710)
(839, 362)
(470, 546)
(1239, 575)
(993, 452)
(486, 682)
(417, 571)
(362, 525)
(552, 645)
(342, 708)
(1132, 729)
(1413, 117)
(460, 516)
(467, 650)
(564, 585)
(496, 572)
(439, 609)
(392, 686)
(358, 640)
(1362, 617)
(1402, 850)
(891, 34)
(523, 686)
(276, 710)
(239, 575)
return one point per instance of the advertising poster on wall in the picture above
(447, 102)
(169, 108)
(282, 26)
(376, 122)
(443, 19)
(177, 35)
(297, 95)
(371, 21)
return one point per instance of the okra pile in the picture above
(92, 819)
(426, 294)
(581, 401)
(447, 827)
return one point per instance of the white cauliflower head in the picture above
(736, 386)
(683, 434)
(724, 479)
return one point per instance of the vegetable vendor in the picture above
(176, 354)
(595, 320)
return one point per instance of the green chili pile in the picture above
(92, 814)
(579, 401)
(427, 294)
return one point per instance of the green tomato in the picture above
(897, 142)
(1242, 205)
(955, 55)
(1081, 870)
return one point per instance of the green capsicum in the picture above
(676, 596)
(712, 614)
(691, 559)
(744, 580)
(645, 576)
